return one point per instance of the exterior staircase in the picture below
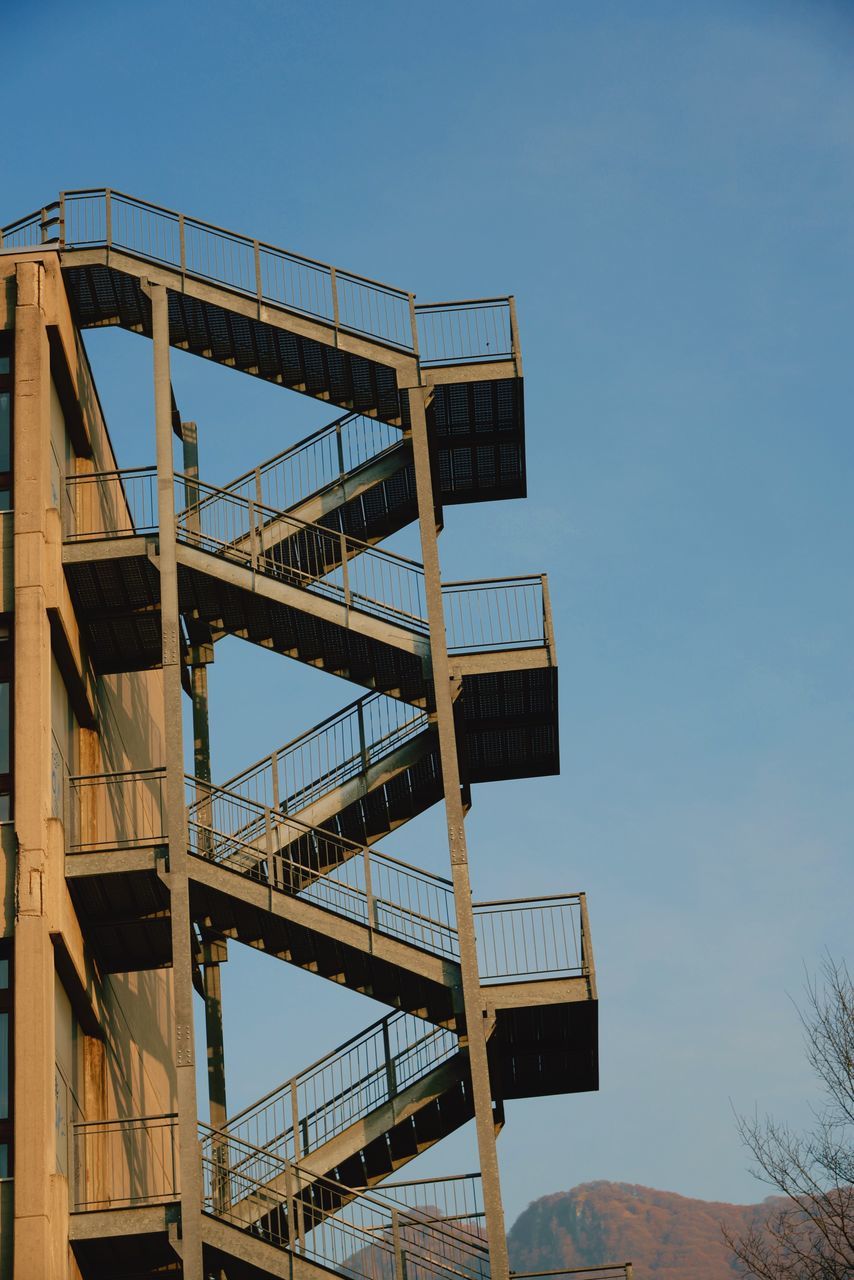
(283, 856)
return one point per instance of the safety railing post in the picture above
(397, 1244)
(345, 567)
(274, 770)
(256, 252)
(413, 323)
(340, 443)
(336, 315)
(182, 244)
(363, 748)
(548, 631)
(587, 960)
(272, 870)
(253, 535)
(293, 1230)
(628, 1271)
(390, 1069)
(370, 905)
(108, 216)
(62, 219)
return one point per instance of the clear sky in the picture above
(667, 189)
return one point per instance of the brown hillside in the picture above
(666, 1236)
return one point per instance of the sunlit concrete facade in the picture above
(77, 1045)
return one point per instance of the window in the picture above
(6, 1107)
(5, 420)
(68, 1079)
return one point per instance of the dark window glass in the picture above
(4, 1160)
(5, 430)
(4, 1066)
(4, 727)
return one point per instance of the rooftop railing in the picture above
(441, 333)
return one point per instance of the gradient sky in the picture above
(667, 189)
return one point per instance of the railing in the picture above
(497, 613)
(338, 749)
(520, 939)
(124, 1162)
(320, 867)
(455, 1199)
(246, 266)
(115, 810)
(532, 938)
(322, 561)
(365, 1235)
(459, 332)
(364, 1073)
(313, 464)
(115, 504)
(610, 1271)
(30, 231)
(445, 333)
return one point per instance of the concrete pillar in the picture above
(475, 1014)
(34, 1032)
(176, 820)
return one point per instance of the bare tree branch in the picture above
(810, 1235)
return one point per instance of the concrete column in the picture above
(475, 1014)
(176, 820)
(35, 1253)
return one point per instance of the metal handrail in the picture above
(608, 1271)
(350, 880)
(491, 614)
(338, 460)
(349, 1229)
(397, 723)
(379, 1055)
(314, 558)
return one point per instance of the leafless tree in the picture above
(809, 1233)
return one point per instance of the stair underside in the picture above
(477, 411)
(509, 716)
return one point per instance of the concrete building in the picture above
(128, 870)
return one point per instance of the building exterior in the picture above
(128, 871)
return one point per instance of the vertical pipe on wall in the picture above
(189, 1154)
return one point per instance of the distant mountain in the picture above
(666, 1236)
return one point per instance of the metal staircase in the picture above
(491, 1001)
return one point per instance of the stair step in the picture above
(403, 1142)
(377, 1159)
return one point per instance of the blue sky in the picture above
(667, 189)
